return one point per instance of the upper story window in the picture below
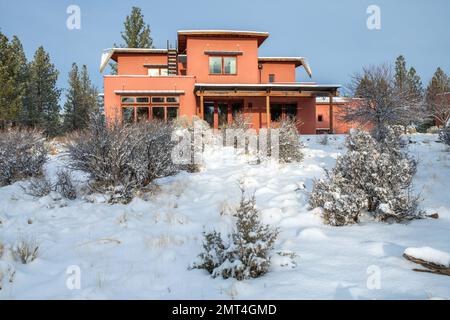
(156, 72)
(222, 65)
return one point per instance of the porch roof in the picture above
(297, 89)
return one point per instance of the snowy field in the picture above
(143, 250)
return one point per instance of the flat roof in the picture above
(301, 86)
(298, 61)
(112, 53)
(149, 92)
(184, 34)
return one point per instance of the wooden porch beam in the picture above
(331, 113)
(268, 110)
(255, 94)
(202, 108)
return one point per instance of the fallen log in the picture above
(430, 266)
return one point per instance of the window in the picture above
(172, 100)
(222, 65)
(208, 110)
(271, 78)
(215, 65)
(236, 109)
(156, 72)
(142, 114)
(275, 112)
(172, 112)
(142, 100)
(291, 111)
(229, 65)
(222, 113)
(158, 99)
(127, 115)
(128, 100)
(320, 118)
(158, 113)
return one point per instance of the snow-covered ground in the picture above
(143, 250)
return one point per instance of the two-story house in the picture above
(213, 74)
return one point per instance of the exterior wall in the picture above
(134, 64)
(198, 61)
(113, 101)
(284, 72)
(339, 126)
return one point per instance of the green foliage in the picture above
(81, 100)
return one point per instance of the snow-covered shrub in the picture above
(444, 135)
(123, 159)
(290, 147)
(64, 185)
(433, 129)
(7, 273)
(341, 202)
(26, 250)
(38, 187)
(373, 176)
(22, 155)
(245, 254)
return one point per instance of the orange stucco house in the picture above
(214, 74)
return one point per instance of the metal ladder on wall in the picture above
(172, 60)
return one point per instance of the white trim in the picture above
(267, 85)
(108, 53)
(150, 92)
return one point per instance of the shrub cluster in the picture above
(22, 155)
(245, 254)
(123, 159)
(372, 176)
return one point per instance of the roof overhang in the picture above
(271, 89)
(233, 34)
(148, 92)
(298, 61)
(112, 53)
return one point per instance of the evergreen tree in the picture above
(414, 83)
(42, 94)
(437, 106)
(136, 33)
(401, 74)
(13, 74)
(81, 99)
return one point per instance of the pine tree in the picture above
(414, 83)
(437, 106)
(401, 74)
(42, 94)
(13, 74)
(136, 33)
(81, 99)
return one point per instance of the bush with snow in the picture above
(26, 250)
(123, 159)
(290, 147)
(38, 187)
(22, 155)
(444, 134)
(64, 185)
(245, 254)
(372, 176)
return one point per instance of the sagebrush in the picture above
(22, 155)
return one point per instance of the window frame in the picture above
(222, 68)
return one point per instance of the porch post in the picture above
(331, 114)
(202, 107)
(268, 110)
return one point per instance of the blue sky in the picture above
(332, 34)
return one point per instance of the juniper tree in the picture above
(42, 94)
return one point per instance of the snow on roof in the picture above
(298, 62)
(335, 100)
(216, 31)
(108, 53)
(268, 85)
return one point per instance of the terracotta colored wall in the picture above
(339, 125)
(134, 64)
(113, 102)
(198, 61)
(284, 72)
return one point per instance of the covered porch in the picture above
(262, 104)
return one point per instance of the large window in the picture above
(141, 108)
(222, 65)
